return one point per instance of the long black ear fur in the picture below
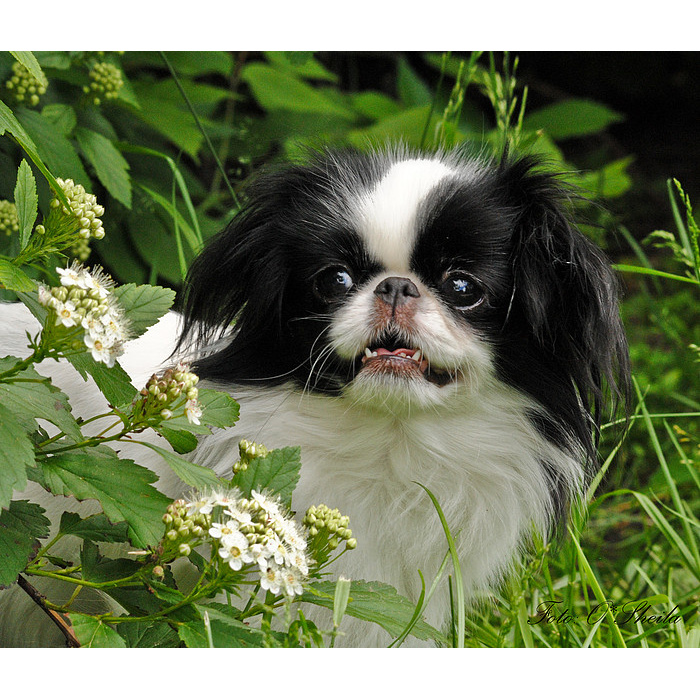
(564, 307)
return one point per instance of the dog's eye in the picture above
(333, 283)
(461, 290)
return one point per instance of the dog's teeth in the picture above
(417, 356)
(368, 352)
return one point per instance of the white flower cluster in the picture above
(9, 222)
(24, 86)
(257, 532)
(84, 301)
(105, 81)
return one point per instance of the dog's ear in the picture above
(565, 293)
(240, 276)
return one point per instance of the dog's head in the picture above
(398, 280)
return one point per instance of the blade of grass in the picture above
(459, 581)
(193, 111)
(594, 585)
(691, 549)
(655, 273)
(177, 175)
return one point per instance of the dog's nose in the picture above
(396, 291)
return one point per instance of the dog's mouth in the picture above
(394, 357)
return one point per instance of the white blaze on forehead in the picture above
(387, 213)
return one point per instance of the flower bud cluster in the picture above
(84, 302)
(84, 210)
(248, 452)
(162, 392)
(327, 528)
(105, 81)
(255, 536)
(184, 530)
(9, 221)
(24, 86)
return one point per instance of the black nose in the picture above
(396, 291)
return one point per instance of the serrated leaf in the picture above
(149, 635)
(36, 397)
(55, 149)
(122, 487)
(93, 633)
(109, 164)
(193, 474)
(99, 569)
(278, 472)
(181, 441)
(14, 278)
(9, 123)
(219, 410)
(226, 630)
(143, 304)
(16, 455)
(374, 602)
(114, 383)
(26, 201)
(96, 528)
(20, 526)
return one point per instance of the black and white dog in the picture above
(411, 319)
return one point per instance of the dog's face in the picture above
(398, 280)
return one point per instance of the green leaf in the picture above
(16, 455)
(28, 60)
(9, 123)
(572, 118)
(14, 278)
(276, 89)
(409, 123)
(163, 109)
(219, 410)
(374, 105)
(35, 397)
(191, 63)
(63, 117)
(56, 150)
(193, 474)
(301, 63)
(109, 164)
(99, 569)
(610, 181)
(96, 528)
(26, 201)
(122, 487)
(374, 602)
(20, 526)
(278, 472)
(143, 304)
(413, 92)
(181, 441)
(93, 633)
(114, 383)
(226, 630)
(149, 635)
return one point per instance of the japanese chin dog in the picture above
(410, 320)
